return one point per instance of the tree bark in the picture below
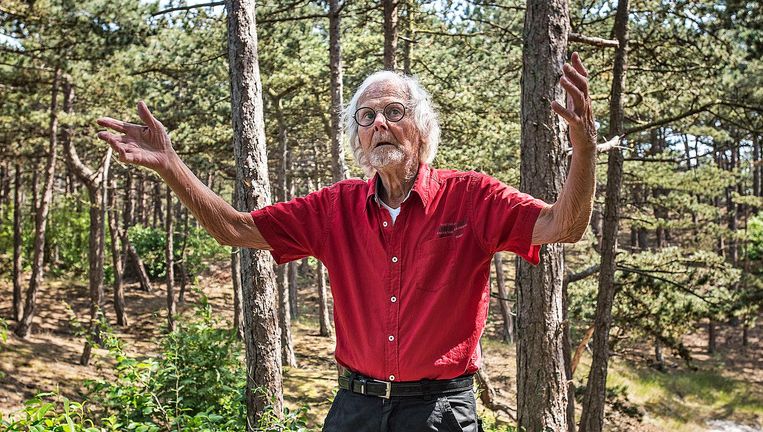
(238, 313)
(235, 258)
(156, 197)
(339, 169)
(541, 383)
(170, 258)
(592, 418)
(18, 308)
(95, 182)
(117, 258)
(285, 315)
(503, 294)
(182, 265)
(97, 192)
(757, 167)
(41, 218)
(409, 36)
(285, 192)
(390, 34)
(291, 279)
(326, 329)
(263, 347)
(145, 282)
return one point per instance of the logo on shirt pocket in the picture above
(453, 229)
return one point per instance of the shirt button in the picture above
(391, 377)
(393, 299)
(394, 259)
(384, 224)
(391, 338)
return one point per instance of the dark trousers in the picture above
(353, 412)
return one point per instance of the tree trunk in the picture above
(145, 283)
(140, 195)
(390, 34)
(235, 266)
(156, 219)
(41, 219)
(285, 315)
(291, 277)
(711, 337)
(757, 167)
(541, 383)
(95, 182)
(263, 347)
(170, 258)
(238, 313)
(503, 295)
(338, 167)
(325, 319)
(97, 192)
(408, 42)
(182, 267)
(567, 353)
(117, 258)
(18, 307)
(128, 218)
(592, 418)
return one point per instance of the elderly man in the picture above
(408, 251)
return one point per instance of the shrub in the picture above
(151, 242)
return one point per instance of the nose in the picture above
(380, 122)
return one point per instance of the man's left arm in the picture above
(567, 219)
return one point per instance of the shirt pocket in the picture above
(435, 263)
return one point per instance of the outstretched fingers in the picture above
(569, 116)
(145, 114)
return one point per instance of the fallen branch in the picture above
(488, 395)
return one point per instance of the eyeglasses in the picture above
(393, 112)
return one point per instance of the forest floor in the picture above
(724, 393)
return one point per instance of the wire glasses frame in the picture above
(393, 112)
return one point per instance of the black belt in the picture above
(386, 389)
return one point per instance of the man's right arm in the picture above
(227, 225)
(150, 146)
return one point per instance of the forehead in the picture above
(383, 92)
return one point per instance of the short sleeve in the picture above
(504, 218)
(297, 228)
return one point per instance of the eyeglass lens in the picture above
(393, 112)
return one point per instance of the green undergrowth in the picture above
(195, 383)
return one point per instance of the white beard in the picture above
(385, 156)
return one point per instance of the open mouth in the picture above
(383, 143)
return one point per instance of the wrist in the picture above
(171, 166)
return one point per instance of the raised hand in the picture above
(145, 145)
(578, 113)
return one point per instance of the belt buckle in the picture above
(388, 390)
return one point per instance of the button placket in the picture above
(392, 346)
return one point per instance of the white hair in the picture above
(423, 115)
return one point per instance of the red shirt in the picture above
(410, 298)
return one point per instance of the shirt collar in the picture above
(425, 186)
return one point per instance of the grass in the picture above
(684, 400)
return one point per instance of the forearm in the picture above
(567, 219)
(227, 225)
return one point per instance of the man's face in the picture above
(388, 144)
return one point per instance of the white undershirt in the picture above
(392, 212)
